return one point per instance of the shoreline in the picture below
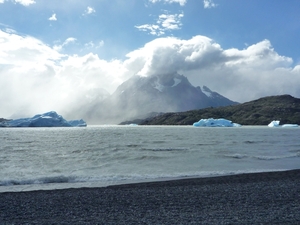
(252, 198)
(100, 184)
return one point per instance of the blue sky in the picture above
(232, 24)
(71, 50)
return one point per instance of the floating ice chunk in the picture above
(215, 123)
(4, 123)
(290, 125)
(274, 123)
(77, 123)
(49, 119)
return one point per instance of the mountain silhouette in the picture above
(140, 96)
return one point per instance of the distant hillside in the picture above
(258, 112)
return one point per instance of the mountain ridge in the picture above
(139, 96)
(262, 111)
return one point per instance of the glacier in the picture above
(211, 122)
(48, 119)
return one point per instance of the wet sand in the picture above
(260, 198)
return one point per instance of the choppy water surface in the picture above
(34, 158)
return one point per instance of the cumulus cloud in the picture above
(238, 74)
(171, 55)
(91, 44)
(181, 2)
(22, 61)
(170, 22)
(151, 29)
(66, 42)
(53, 17)
(165, 22)
(89, 10)
(22, 2)
(209, 4)
(19, 50)
(25, 2)
(35, 78)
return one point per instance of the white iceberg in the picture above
(215, 123)
(290, 125)
(49, 119)
(275, 123)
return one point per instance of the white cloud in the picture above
(172, 55)
(53, 17)
(89, 10)
(165, 22)
(66, 42)
(10, 31)
(181, 2)
(170, 22)
(209, 4)
(151, 28)
(36, 78)
(25, 2)
(238, 74)
(22, 2)
(19, 50)
(91, 44)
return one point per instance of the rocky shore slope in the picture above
(260, 198)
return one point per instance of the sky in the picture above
(58, 54)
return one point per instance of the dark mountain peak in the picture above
(205, 88)
(219, 100)
(171, 79)
(171, 92)
(156, 83)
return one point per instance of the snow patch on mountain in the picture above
(157, 85)
(176, 82)
(206, 91)
(161, 87)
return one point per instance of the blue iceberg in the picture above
(49, 119)
(77, 123)
(215, 123)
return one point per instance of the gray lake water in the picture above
(50, 158)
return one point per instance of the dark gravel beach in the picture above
(261, 198)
